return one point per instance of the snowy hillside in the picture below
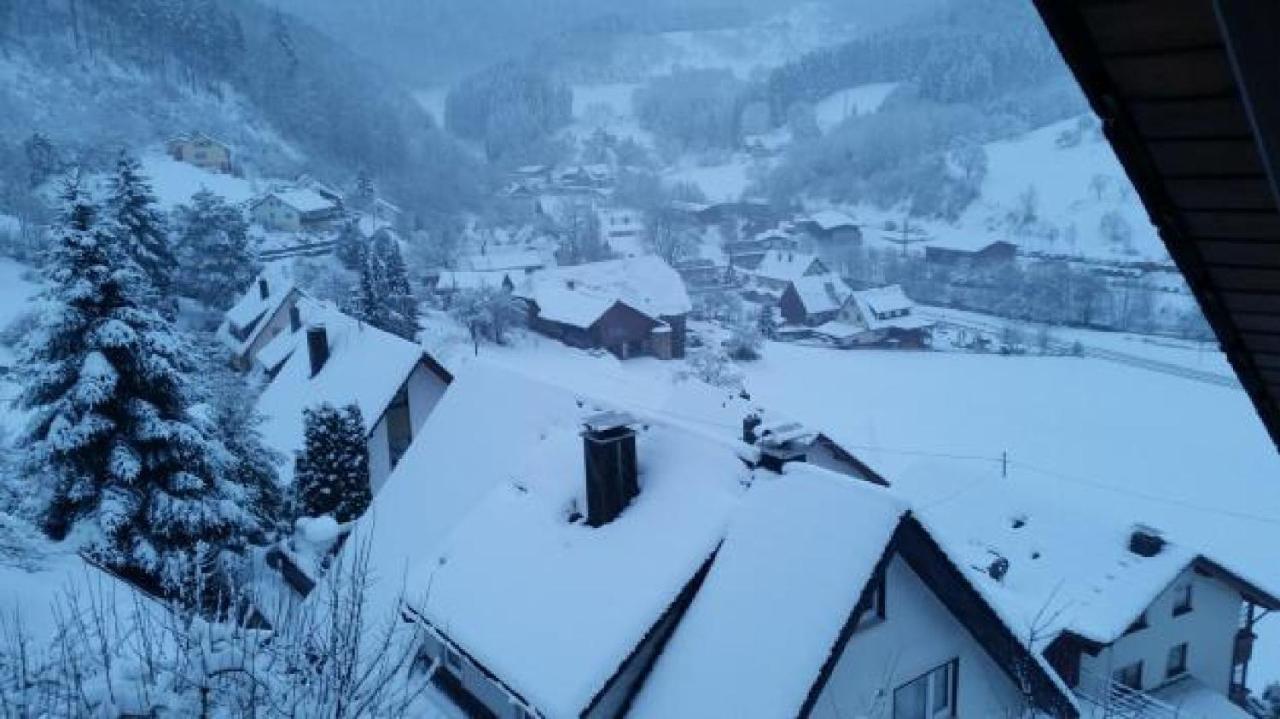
(843, 104)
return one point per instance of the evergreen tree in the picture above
(384, 298)
(331, 473)
(140, 227)
(112, 441)
(350, 246)
(213, 241)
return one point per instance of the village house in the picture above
(447, 283)
(337, 359)
(202, 151)
(517, 261)
(993, 254)
(885, 316)
(295, 210)
(779, 268)
(831, 226)
(621, 225)
(630, 307)
(813, 300)
(1133, 622)
(748, 251)
(639, 551)
(267, 308)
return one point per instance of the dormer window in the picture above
(1182, 600)
(875, 611)
(1138, 624)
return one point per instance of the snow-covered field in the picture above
(175, 182)
(843, 104)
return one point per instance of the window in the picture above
(1182, 600)
(874, 613)
(399, 428)
(929, 696)
(1138, 624)
(1129, 676)
(1177, 662)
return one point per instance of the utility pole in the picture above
(906, 236)
(1004, 464)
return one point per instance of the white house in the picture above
(779, 268)
(339, 360)
(1130, 620)
(885, 314)
(294, 210)
(652, 565)
(266, 310)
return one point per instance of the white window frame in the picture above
(1184, 599)
(946, 676)
(1171, 672)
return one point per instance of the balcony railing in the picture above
(1114, 700)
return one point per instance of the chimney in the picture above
(317, 347)
(609, 456)
(264, 290)
(295, 319)
(1145, 541)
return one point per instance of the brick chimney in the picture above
(1146, 541)
(609, 457)
(317, 347)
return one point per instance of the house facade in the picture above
(778, 268)
(994, 254)
(831, 226)
(267, 309)
(295, 211)
(885, 316)
(202, 151)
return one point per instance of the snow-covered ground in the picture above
(843, 104)
(175, 182)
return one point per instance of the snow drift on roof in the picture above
(821, 293)
(831, 219)
(552, 607)
(305, 200)
(790, 571)
(784, 265)
(578, 295)
(1067, 569)
(366, 366)
(252, 307)
(504, 260)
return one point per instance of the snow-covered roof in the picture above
(784, 265)
(1069, 569)
(504, 260)
(791, 568)
(580, 294)
(253, 307)
(873, 304)
(451, 280)
(366, 366)
(828, 220)
(304, 200)
(475, 524)
(274, 353)
(821, 293)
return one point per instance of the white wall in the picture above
(1208, 629)
(917, 635)
(425, 390)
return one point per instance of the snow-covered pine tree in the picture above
(213, 241)
(141, 229)
(350, 247)
(331, 473)
(384, 298)
(112, 446)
